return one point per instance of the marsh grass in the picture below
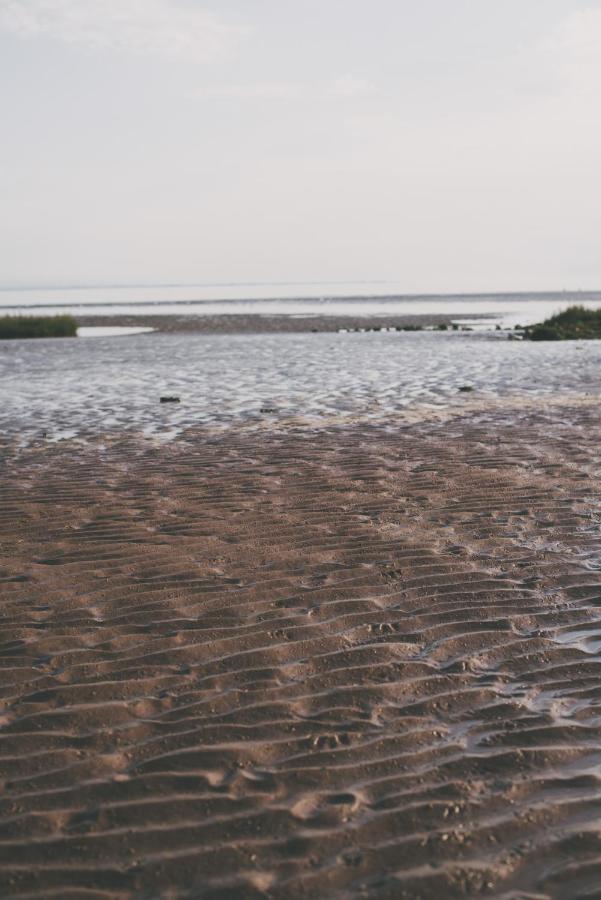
(572, 324)
(13, 327)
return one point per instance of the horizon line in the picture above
(237, 284)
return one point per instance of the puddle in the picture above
(587, 639)
(89, 331)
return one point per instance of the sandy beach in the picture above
(354, 661)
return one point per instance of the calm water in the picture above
(76, 386)
(375, 298)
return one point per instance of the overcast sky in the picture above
(447, 145)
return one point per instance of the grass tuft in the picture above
(574, 323)
(13, 327)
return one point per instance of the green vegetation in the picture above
(12, 327)
(572, 324)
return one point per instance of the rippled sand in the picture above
(355, 661)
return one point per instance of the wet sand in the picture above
(279, 663)
(265, 324)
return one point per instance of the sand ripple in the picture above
(360, 662)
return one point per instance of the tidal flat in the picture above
(329, 625)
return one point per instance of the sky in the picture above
(445, 145)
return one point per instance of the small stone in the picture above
(170, 400)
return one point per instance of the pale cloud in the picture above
(349, 86)
(579, 34)
(340, 88)
(161, 27)
(260, 90)
(575, 48)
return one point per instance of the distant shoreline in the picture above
(586, 294)
(256, 323)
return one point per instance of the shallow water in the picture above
(67, 387)
(93, 331)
